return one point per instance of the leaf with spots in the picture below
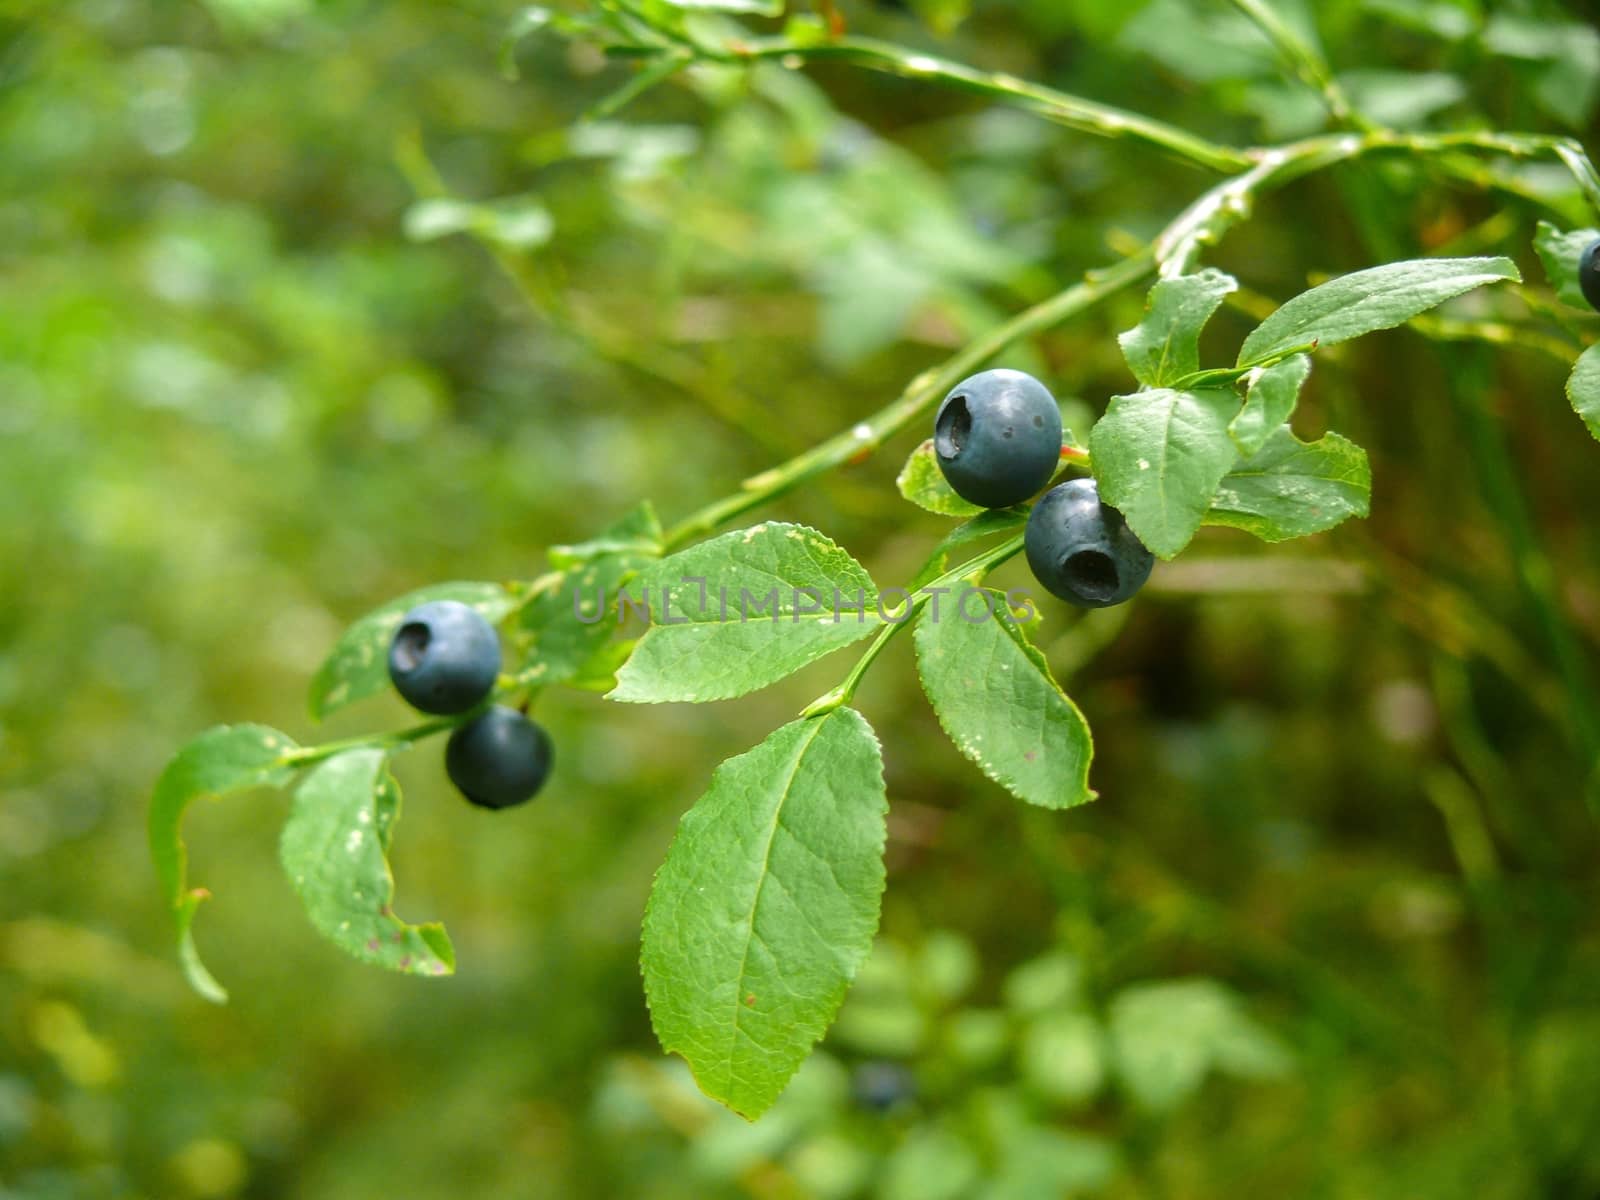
(743, 611)
(1583, 388)
(995, 697)
(922, 482)
(335, 849)
(1560, 253)
(358, 665)
(573, 615)
(1165, 346)
(766, 907)
(227, 758)
(1365, 301)
(1292, 488)
(1158, 457)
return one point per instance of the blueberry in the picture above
(881, 1086)
(444, 657)
(1082, 550)
(998, 438)
(1589, 273)
(499, 758)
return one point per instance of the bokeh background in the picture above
(1330, 930)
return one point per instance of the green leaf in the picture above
(228, 758)
(572, 614)
(744, 610)
(358, 666)
(335, 849)
(1583, 388)
(1159, 456)
(1293, 488)
(766, 906)
(1379, 298)
(1167, 1036)
(994, 696)
(637, 532)
(1560, 253)
(922, 482)
(1273, 392)
(1165, 346)
(572, 619)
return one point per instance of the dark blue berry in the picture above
(881, 1086)
(499, 758)
(1589, 273)
(444, 657)
(1082, 550)
(997, 437)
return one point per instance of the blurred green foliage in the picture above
(1330, 929)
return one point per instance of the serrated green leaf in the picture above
(922, 482)
(1158, 457)
(744, 610)
(227, 758)
(358, 665)
(766, 907)
(573, 613)
(1291, 488)
(571, 620)
(1560, 253)
(637, 532)
(335, 848)
(1270, 399)
(1167, 1036)
(1165, 346)
(994, 696)
(1378, 298)
(1583, 388)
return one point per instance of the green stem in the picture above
(975, 567)
(307, 755)
(1306, 61)
(923, 392)
(1226, 375)
(1175, 249)
(1086, 116)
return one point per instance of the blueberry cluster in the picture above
(444, 660)
(997, 438)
